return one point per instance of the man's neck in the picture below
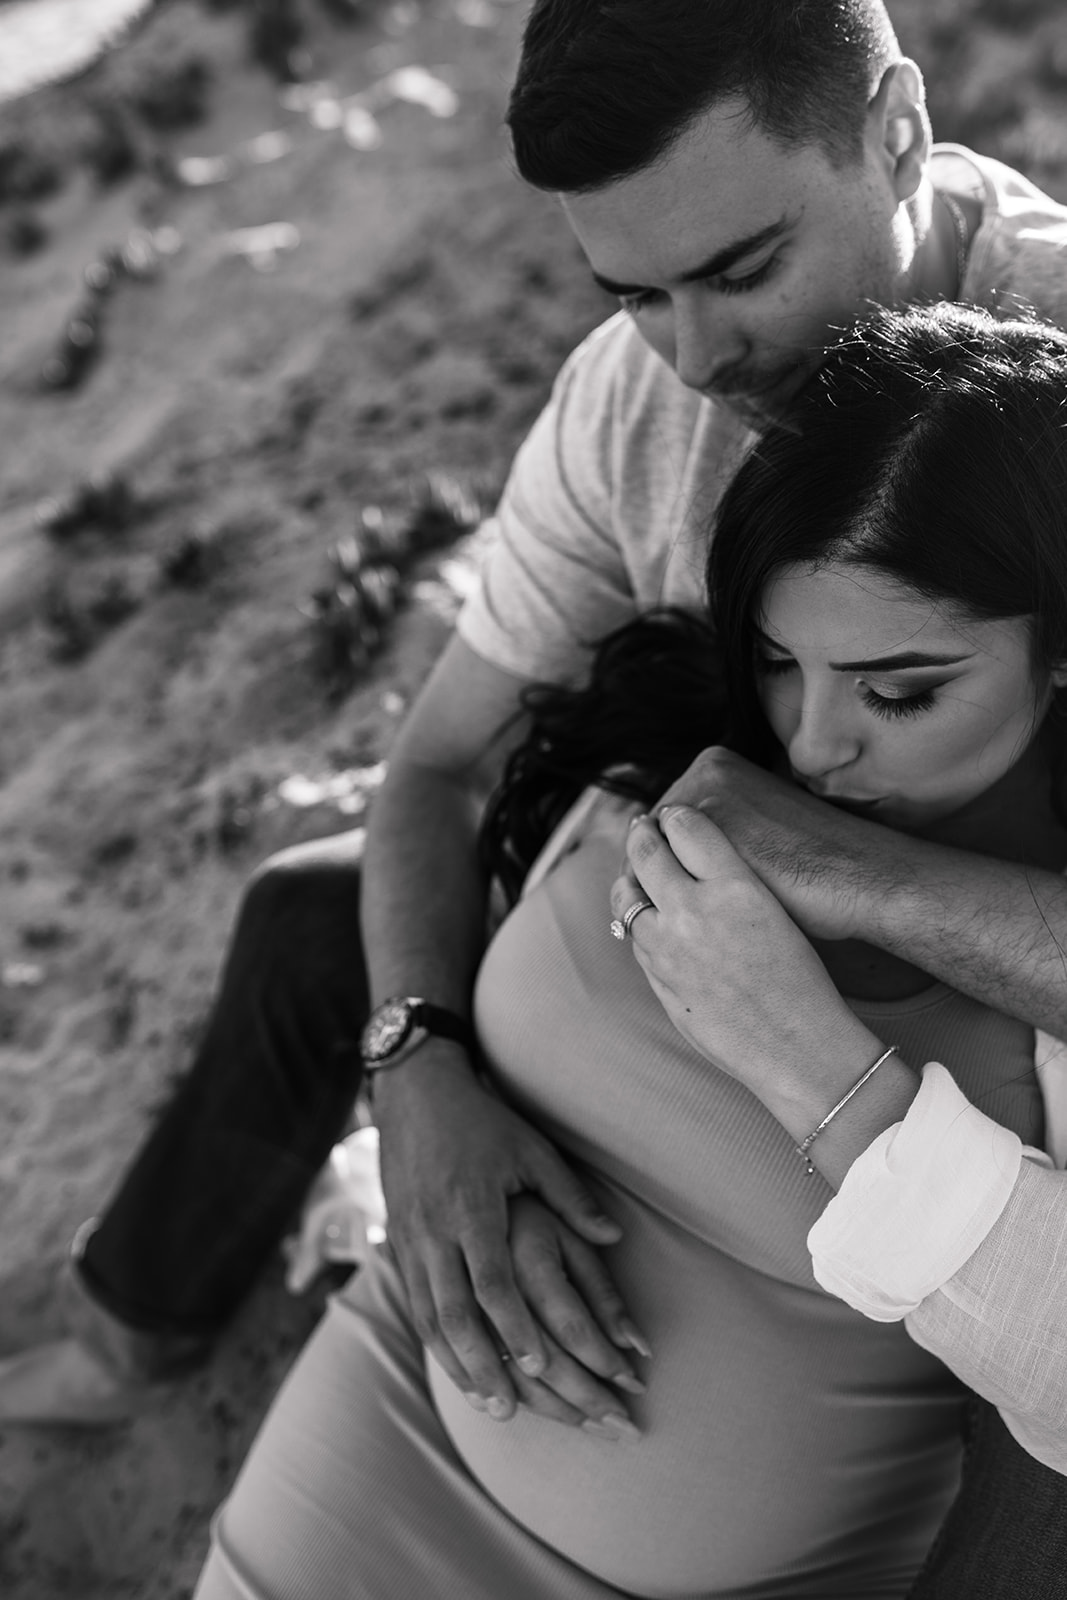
(934, 273)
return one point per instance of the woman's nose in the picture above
(822, 741)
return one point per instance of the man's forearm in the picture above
(424, 897)
(994, 930)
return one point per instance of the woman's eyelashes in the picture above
(895, 704)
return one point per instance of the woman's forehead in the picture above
(850, 613)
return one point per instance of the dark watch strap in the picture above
(442, 1023)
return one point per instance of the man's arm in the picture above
(992, 929)
(452, 1154)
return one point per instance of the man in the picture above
(748, 177)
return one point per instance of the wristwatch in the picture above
(399, 1025)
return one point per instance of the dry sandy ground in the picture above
(414, 328)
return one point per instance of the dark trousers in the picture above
(1005, 1536)
(271, 1088)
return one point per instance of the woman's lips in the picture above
(847, 804)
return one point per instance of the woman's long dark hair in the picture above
(931, 446)
(653, 701)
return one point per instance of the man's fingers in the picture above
(456, 1319)
(701, 845)
(424, 1319)
(506, 1311)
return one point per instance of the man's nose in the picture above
(707, 342)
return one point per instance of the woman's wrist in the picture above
(803, 1096)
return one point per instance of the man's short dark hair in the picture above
(604, 88)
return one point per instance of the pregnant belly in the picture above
(788, 1445)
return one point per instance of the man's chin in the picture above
(770, 403)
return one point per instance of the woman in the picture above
(788, 1447)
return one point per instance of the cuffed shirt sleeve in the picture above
(948, 1221)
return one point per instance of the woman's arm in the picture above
(939, 1220)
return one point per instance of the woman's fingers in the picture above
(567, 1285)
(569, 1393)
(670, 852)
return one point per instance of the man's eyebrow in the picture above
(721, 261)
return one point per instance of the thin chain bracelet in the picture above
(806, 1144)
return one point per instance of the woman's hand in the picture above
(566, 1285)
(732, 970)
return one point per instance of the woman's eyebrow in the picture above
(903, 658)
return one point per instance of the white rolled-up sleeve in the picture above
(949, 1222)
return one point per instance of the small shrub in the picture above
(26, 173)
(110, 149)
(174, 93)
(25, 233)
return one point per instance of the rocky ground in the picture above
(319, 318)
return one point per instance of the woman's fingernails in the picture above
(498, 1408)
(642, 816)
(474, 1400)
(599, 1431)
(635, 1340)
(627, 1381)
(622, 1425)
(533, 1366)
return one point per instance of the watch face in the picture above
(387, 1030)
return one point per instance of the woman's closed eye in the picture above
(891, 702)
(895, 705)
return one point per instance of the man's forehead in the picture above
(719, 193)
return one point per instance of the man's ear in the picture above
(898, 127)
(1058, 675)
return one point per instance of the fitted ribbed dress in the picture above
(791, 1447)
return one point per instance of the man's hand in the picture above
(452, 1157)
(829, 869)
